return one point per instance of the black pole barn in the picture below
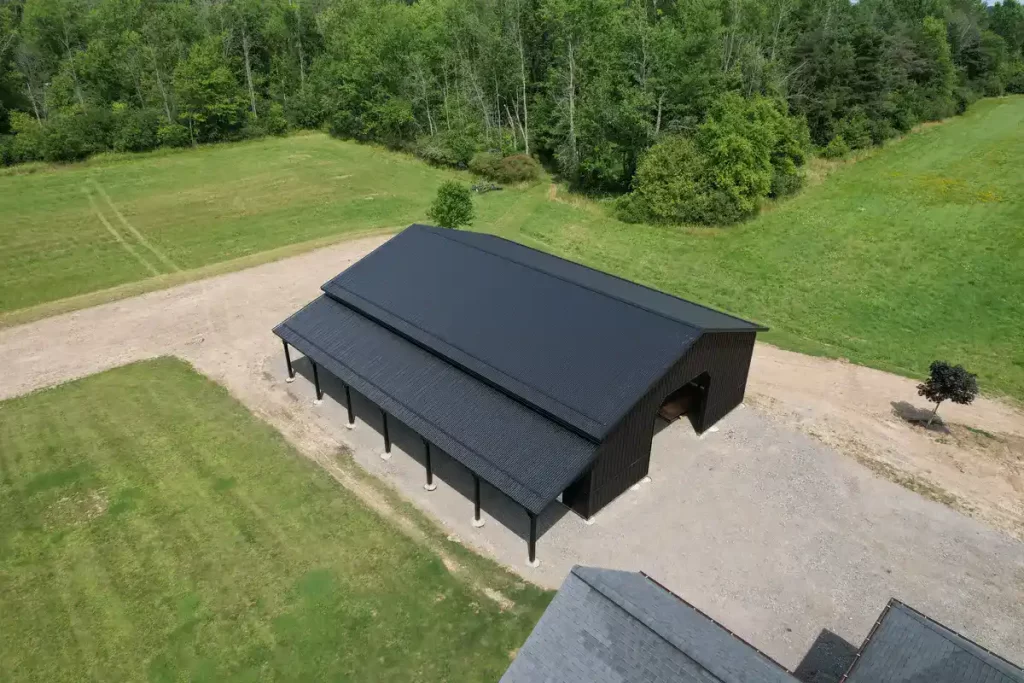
(542, 377)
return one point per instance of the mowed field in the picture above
(112, 221)
(909, 255)
(152, 529)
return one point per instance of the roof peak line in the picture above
(650, 623)
(439, 232)
(507, 391)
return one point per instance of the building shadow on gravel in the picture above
(827, 660)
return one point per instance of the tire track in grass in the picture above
(117, 236)
(131, 228)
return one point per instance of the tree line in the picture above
(586, 86)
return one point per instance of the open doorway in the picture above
(686, 401)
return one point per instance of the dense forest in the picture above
(614, 95)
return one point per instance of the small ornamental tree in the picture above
(453, 206)
(948, 382)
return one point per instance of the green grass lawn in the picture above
(910, 255)
(152, 529)
(193, 208)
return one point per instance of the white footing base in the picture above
(534, 564)
(289, 379)
(429, 487)
(635, 487)
(645, 480)
(385, 456)
(589, 522)
(350, 426)
(318, 402)
(477, 523)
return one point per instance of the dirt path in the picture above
(222, 325)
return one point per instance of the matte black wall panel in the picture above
(624, 457)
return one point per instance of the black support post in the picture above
(430, 485)
(533, 539)
(288, 362)
(387, 436)
(348, 404)
(477, 520)
(316, 383)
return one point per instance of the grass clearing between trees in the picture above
(911, 254)
(151, 528)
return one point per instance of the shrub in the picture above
(6, 150)
(517, 168)
(744, 151)
(450, 148)
(793, 140)
(390, 122)
(305, 109)
(274, 121)
(453, 206)
(1014, 77)
(173, 135)
(836, 148)
(667, 187)
(855, 129)
(27, 142)
(70, 137)
(485, 164)
(135, 130)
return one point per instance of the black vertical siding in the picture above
(624, 457)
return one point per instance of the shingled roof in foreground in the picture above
(907, 647)
(608, 626)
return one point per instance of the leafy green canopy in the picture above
(586, 86)
(746, 150)
(453, 206)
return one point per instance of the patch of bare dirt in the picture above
(973, 460)
(76, 510)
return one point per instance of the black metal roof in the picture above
(607, 626)
(905, 646)
(526, 456)
(578, 345)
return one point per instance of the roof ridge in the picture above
(361, 310)
(438, 231)
(649, 623)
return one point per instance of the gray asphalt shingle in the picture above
(607, 626)
(908, 647)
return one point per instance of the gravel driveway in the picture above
(766, 529)
(770, 532)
